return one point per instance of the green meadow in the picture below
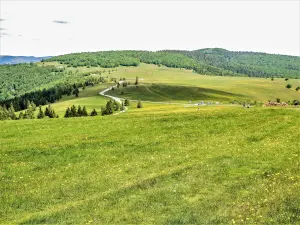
(166, 163)
(162, 164)
(166, 84)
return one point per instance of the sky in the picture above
(48, 28)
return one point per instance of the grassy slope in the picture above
(216, 165)
(198, 87)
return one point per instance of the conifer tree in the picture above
(115, 106)
(68, 113)
(11, 112)
(79, 111)
(33, 105)
(41, 114)
(47, 112)
(84, 112)
(126, 103)
(94, 112)
(76, 92)
(122, 107)
(109, 108)
(139, 104)
(73, 111)
(21, 116)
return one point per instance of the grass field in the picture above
(176, 84)
(175, 165)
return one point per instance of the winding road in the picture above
(117, 99)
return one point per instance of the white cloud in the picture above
(265, 26)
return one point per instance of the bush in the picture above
(288, 86)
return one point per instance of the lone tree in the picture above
(126, 103)
(278, 100)
(298, 88)
(286, 79)
(41, 114)
(139, 104)
(136, 81)
(288, 86)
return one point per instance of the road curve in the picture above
(117, 99)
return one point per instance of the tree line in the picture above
(10, 114)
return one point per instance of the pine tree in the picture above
(33, 106)
(47, 112)
(73, 111)
(79, 111)
(68, 113)
(126, 103)
(28, 105)
(94, 112)
(139, 104)
(50, 112)
(21, 116)
(11, 112)
(115, 106)
(122, 107)
(30, 114)
(109, 108)
(84, 112)
(26, 116)
(41, 114)
(76, 92)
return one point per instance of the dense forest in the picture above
(204, 61)
(252, 64)
(16, 80)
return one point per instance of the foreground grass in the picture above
(215, 165)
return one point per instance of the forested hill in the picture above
(214, 61)
(253, 64)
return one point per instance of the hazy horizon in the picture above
(50, 28)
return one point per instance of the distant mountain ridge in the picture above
(8, 59)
